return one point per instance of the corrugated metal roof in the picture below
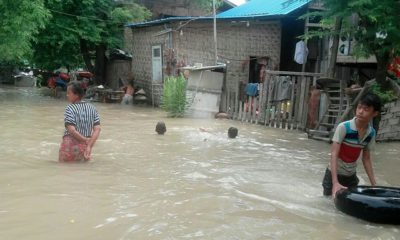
(254, 8)
(162, 20)
(261, 8)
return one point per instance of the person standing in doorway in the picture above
(82, 126)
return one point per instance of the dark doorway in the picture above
(257, 68)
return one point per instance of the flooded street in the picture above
(187, 184)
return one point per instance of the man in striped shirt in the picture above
(82, 126)
(352, 138)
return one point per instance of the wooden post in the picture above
(235, 115)
(302, 99)
(298, 103)
(314, 83)
(227, 100)
(284, 118)
(279, 117)
(290, 121)
(239, 117)
(232, 105)
(251, 104)
(237, 103)
(243, 111)
(264, 103)
(305, 108)
(261, 110)
(270, 86)
(222, 105)
(276, 116)
(273, 115)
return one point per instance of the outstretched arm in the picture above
(336, 186)
(366, 159)
(91, 141)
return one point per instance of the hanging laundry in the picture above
(251, 89)
(282, 88)
(301, 52)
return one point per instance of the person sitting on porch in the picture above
(352, 138)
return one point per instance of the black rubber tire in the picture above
(371, 203)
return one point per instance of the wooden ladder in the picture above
(337, 103)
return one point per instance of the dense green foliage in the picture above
(208, 4)
(79, 27)
(67, 33)
(385, 95)
(54, 32)
(174, 100)
(376, 30)
(20, 21)
(374, 24)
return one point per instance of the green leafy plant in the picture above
(39, 79)
(174, 100)
(78, 32)
(20, 23)
(386, 96)
(208, 4)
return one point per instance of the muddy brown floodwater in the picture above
(187, 184)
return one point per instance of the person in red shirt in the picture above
(351, 139)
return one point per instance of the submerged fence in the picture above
(280, 102)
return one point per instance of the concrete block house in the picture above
(256, 33)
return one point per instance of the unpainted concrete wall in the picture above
(389, 126)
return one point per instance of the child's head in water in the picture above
(232, 132)
(161, 128)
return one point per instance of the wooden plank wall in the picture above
(263, 109)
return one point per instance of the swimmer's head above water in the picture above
(161, 128)
(232, 132)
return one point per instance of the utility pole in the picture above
(215, 34)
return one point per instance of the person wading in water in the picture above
(82, 126)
